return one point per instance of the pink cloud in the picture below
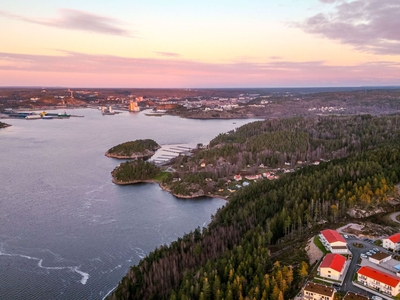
(368, 25)
(76, 20)
(78, 69)
(168, 54)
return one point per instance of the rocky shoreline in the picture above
(165, 188)
(145, 155)
(4, 125)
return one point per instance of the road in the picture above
(354, 265)
(393, 216)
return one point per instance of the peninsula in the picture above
(138, 149)
(4, 125)
(269, 149)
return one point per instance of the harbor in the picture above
(31, 115)
(168, 152)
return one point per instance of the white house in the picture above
(315, 291)
(332, 266)
(333, 241)
(382, 282)
(379, 258)
(392, 242)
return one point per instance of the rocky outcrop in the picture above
(140, 155)
(4, 125)
(138, 149)
(360, 213)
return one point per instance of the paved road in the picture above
(354, 265)
(394, 215)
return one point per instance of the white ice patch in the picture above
(139, 252)
(85, 276)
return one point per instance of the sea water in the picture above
(68, 232)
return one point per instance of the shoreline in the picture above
(141, 156)
(4, 125)
(164, 188)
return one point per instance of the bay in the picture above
(66, 231)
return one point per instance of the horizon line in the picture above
(200, 88)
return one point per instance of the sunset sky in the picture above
(179, 44)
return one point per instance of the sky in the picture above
(199, 44)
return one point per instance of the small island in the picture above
(4, 125)
(138, 149)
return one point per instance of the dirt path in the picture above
(313, 252)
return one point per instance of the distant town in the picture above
(210, 103)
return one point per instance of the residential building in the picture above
(392, 242)
(237, 177)
(332, 266)
(382, 282)
(333, 241)
(354, 296)
(315, 291)
(379, 258)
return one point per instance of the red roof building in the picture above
(332, 236)
(332, 266)
(333, 261)
(333, 241)
(395, 238)
(392, 242)
(378, 280)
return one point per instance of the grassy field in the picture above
(318, 243)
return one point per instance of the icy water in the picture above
(66, 231)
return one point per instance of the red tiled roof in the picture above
(333, 261)
(395, 238)
(332, 236)
(385, 278)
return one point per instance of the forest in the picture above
(235, 256)
(138, 148)
(137, 170)
(279, 145)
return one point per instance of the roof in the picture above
(333, 261)
(385, 278)
(339, 247)
(380, 256)
(319, 289)
(332, 236)
(354, 296)
(395, 238)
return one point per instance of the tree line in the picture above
(230, 259)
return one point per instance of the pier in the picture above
(168, 152)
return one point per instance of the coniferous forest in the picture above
(232, 258)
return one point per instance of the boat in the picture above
(156, 113)
(33, 117)
(55, 115)
(64, 115)
(47, 117)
